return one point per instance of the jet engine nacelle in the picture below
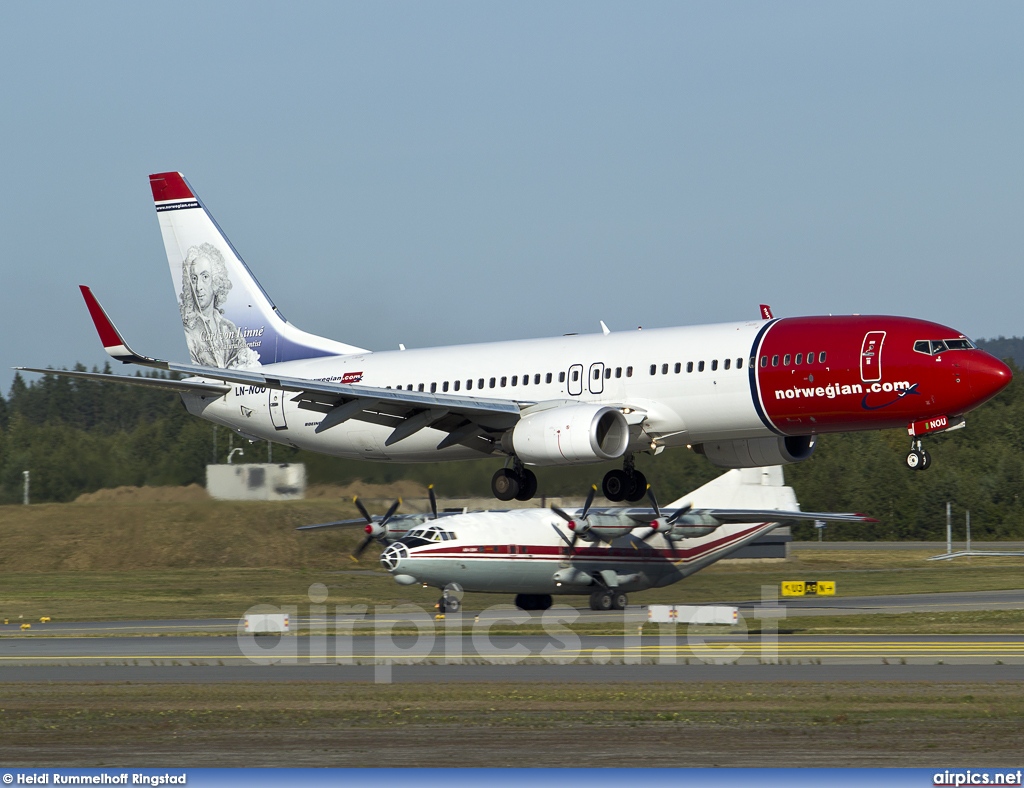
(570, 434)
(756, 452)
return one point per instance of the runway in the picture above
(483, 646)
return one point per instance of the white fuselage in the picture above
(677, 406)
(521, 551)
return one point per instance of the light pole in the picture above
(24, 497)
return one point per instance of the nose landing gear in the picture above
(918, 459)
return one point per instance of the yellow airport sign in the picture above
(808, 588)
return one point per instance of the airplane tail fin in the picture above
(743, 488)
(229, 320)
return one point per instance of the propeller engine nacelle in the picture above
(687, 527)
(756, 452)
(570, 434)
(603, 528)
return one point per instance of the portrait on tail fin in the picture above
(213, 340)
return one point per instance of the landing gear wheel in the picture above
(639, 489)
(505, 484)
(533, 601)
(451, 604)
(616, 486)
(601, 600)
(915, 460)
(926, 460)
(527, 485)
(619, 601)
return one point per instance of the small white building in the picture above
(258, 481)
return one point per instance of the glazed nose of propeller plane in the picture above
(988, 376)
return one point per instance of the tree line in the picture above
(77, 436)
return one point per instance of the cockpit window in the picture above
(933, 347)
(426, 534)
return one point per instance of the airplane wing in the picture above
(154, 383)
(724, 516)
(469, 421)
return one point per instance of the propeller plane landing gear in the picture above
(606, 599)
(625, 485)
(918, 459)
(516, 482)
(533, 601)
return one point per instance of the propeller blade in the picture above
(362, 510)
(391, 511)
(433, 502)
(363, 545)
(679, 513)
(654, 502)
(562, 513)
(590, 500)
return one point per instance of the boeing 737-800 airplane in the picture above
(742, 394)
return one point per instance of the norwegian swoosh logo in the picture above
(900, 395)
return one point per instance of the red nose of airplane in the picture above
(988, 376)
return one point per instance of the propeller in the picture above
(583, 517)
(657, 526)
(433, 502)
(373, 529)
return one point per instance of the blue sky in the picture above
(435, 173)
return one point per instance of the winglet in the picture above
(766, 312)
(109, 335)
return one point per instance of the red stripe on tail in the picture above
(169, 186)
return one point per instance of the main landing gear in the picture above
(918, 459)
(607, 599)
(625, 485)
(515, 482)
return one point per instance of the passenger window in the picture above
(618, 372)
(515, 379)
(575, 375)
(654, 369)
(480, 383)
(739, 363)
(821, 357)
(469, 384)
(536, 378)
(664, 369)
(504, 380)
(689, 366)
(785, 360)
(457, 384)
(700, 366)
(561, 377)
(433, 388)
(409, 387)
(526, 380)
(607, 373)
(764, 361)
(629, 372)
(728, 362)
(420, 387)
(597, 374)
(714, 365)
(492, 381)
(679, 367)
(810, 358)
(799, 359)
(775, 361)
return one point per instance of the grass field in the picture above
(309, 724)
